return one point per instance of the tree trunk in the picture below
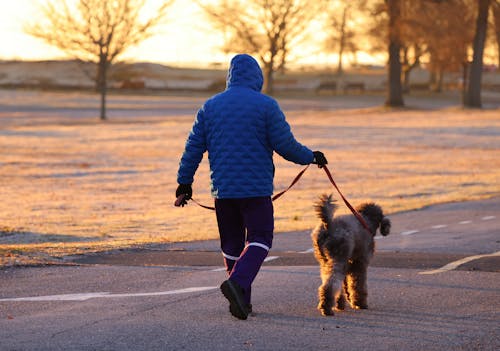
(473, 98)
(465, 77)
(268, 78)
(395, 91)
(439, 81)
(408, 67)
(102, 84)
(432, 79)
(436, 82)
(103, 102)
(406, 79)
(342, 40)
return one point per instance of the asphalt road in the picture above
(434, 285)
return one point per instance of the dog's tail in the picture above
(385, 226)
(325, 209)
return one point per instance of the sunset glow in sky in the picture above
(186, 39)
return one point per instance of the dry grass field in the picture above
(70, 184)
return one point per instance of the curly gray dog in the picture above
(344, 248)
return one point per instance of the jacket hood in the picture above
(244, 71)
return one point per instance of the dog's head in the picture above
(374, 214)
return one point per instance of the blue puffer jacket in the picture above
(240, 128)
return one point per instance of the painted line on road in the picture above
(307, 251)
(487, 218)
(439, 226)
(87, 296)
(409, 232)
(453, 265)
(219, 269)
(465, 222)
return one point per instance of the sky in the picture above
(186, 39)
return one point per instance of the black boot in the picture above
(234, 293)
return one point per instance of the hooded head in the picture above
(245, 72)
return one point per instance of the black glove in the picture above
(319, 159)
(187, 191)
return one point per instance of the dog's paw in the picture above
(340, 306)
(326, 312)
(360, 306)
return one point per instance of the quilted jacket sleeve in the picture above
(193, 153)
(282, 140)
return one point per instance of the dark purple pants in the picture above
(246, 235)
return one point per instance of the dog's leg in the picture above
(332, 276)
(343, 296)
(325, 290)
(358, 290)
(338, 279)
(346, 289)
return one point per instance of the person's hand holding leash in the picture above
(183, 193)
(319, 159)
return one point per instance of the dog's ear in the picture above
(385, 226)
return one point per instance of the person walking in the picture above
(240, 129)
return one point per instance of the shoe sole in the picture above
(236, 307)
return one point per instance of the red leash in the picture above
(278, 195)
(180, 199)
(353, 210)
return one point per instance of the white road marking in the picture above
(487, 218)
(465, 222)
(439, 226)
(87, 296)
(453, 265)
(307, 251)
(218, 269)
(409, 232)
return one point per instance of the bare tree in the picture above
(436, 32)
(95, 31)
(377, 24)
(342, 29)
(473, 93)
(267, 29)
(395, 91)
(412, 43)
(446, 37)
(386, 36)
